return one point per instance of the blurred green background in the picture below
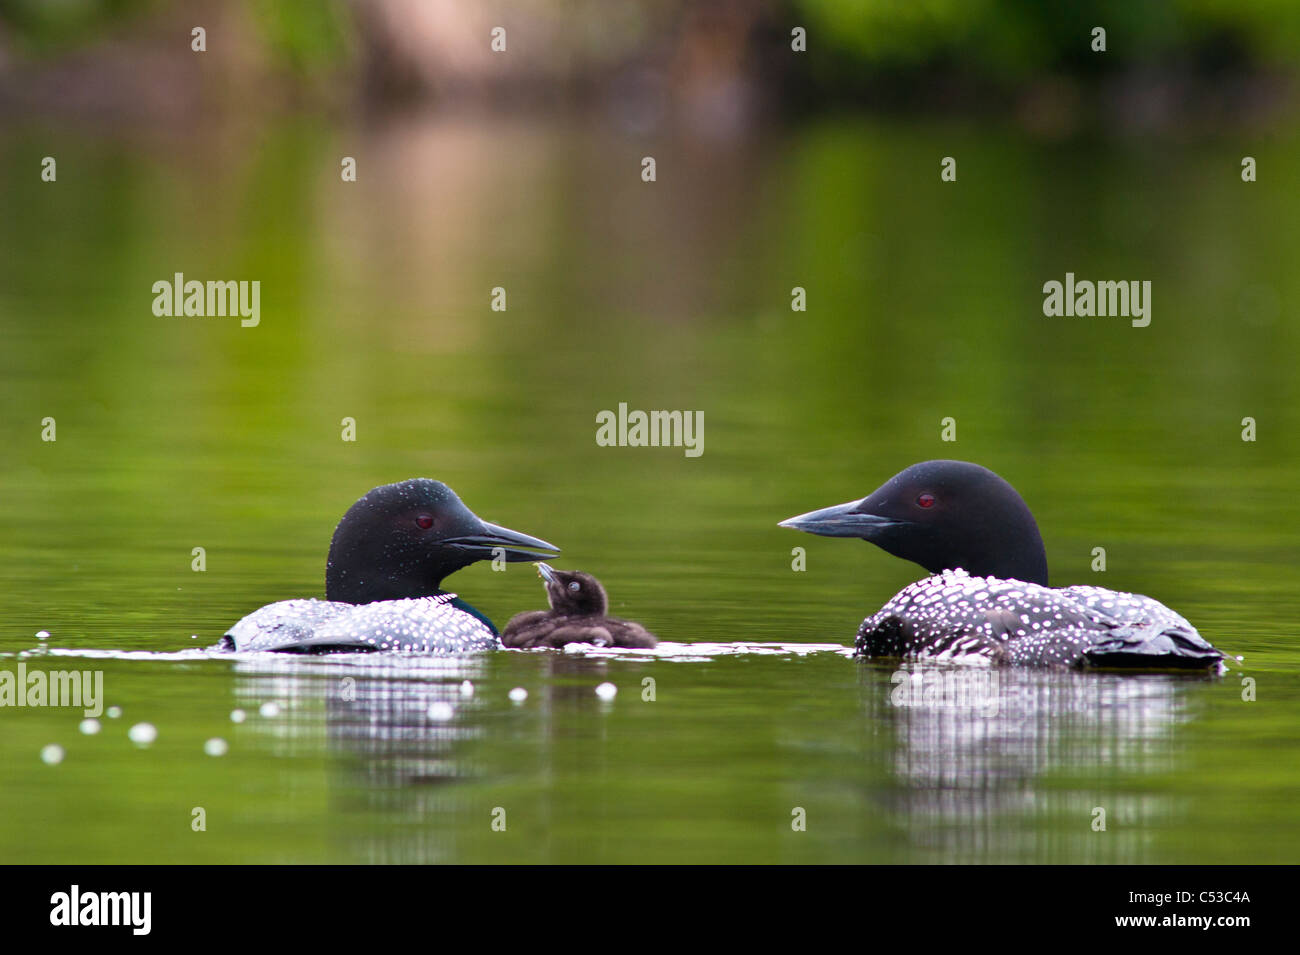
(522, 170)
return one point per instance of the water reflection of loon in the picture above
(995, 764)
(394, 732)
(974, 747)
(398, 730)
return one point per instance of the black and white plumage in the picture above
(387, 560)
(989, 602)
(413, 625)
(954, 617)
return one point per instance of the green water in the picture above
(924, 302)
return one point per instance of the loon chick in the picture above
(577, 615)
(387, 560)
(989, 601)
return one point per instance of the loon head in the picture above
(401, 540)
(572, 592)
(942, 515)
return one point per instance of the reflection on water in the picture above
(975, 749)
(394, 730)
(988, 764)
(398, 729)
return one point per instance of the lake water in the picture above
(924, 302)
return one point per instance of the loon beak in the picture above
(545, 571)
(842, 520)
(515, 546)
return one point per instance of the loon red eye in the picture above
(424, 521)
(925, 500)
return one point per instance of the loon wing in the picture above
(564, 634)
(420, 624)
(283, 625)
(950, 617)
(538, 628)
(416, 625)
(629, 633)
(1141, 632)
(955, 617)
(517, 632)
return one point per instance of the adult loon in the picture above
(577, 615)
(383, 579)
(989, 602)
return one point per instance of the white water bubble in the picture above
(238, 716)
(89, 726)
(142, 734)
(52, 755)
(607, 691)
(114, 712)
(269, 709)
(518, 695)
(467, 689)
(216, 747)
(440, 712)
(42, 634)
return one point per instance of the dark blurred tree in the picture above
(302, 35)
(1017, 38)
(40, 26)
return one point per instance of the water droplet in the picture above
(440, 712)
(142, 734)
(52, 755)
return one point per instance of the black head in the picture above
(942, 515)
(572, 592)
(401, 540)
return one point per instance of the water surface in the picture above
(924, 302)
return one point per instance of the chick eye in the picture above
(574, 585)
(925, 500)
(424, 521)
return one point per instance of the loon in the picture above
(988, 601)
(383, 579)
(577, 615)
